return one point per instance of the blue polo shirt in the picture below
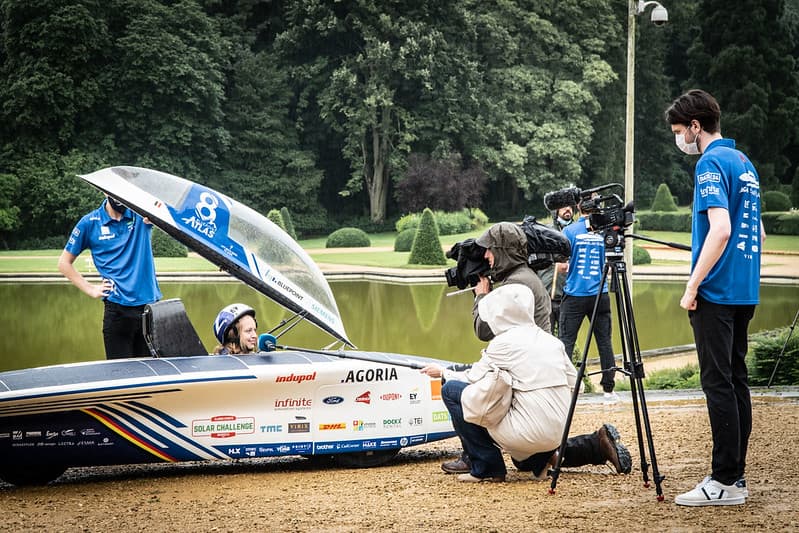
(587, 261)
(726, 178)
(122, 252)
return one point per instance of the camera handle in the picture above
(633, 367)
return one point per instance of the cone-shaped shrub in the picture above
(284, 212)
(274, 216)
(426, 249)
(663, 201)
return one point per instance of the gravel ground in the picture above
(413, 494)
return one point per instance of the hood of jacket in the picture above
(507, 307)
(508, 243)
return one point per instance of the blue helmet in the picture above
(227, 317)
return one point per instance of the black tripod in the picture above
(633, 367)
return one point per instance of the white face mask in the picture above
(688, 148)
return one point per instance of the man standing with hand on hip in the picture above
(119, 241)
(723, 289)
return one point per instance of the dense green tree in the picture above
(263, 165)
(743, 56)
(9, 213)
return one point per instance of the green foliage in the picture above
(641, 256)
(686, 377)
(765, 348)
(275, 216)
(404, 240)
(166, 246)
(775, 201)
(660, 221)
(776, 223)
(663, 201)
(9, 212)
(426, 248)
(286, 217)
(348, 238)
(448, 223)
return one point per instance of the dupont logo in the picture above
(366, 398)
(390, 397)
(299, 378)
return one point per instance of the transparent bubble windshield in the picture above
(248, 228)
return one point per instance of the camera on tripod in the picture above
(544, 247)
(604, 207)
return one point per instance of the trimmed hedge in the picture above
(663, 221)
(775, 201)
(641, 256)
(426, 248)
(781, 223)
(348, 238)
(449, 223)
(404, 240)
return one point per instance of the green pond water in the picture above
(54, 323)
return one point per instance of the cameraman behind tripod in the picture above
(583, 278)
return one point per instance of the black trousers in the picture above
(721, 335)
(573, 309)
(122, 331)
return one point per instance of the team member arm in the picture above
(67, 268)
(717, 237)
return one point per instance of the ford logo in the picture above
(333, 400)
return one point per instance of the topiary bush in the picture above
(775, 201)
(166, 246)
(287, 222)
(664, 201)
(765, 348)
(348, 238)
(426, 248)
(404, 240)
(275, 216)
(641, 256)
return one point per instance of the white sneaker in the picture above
(610, 397)
(741, 484)
(711, 492)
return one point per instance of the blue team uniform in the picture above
(121, 251)
(726, 178)
(587, 261)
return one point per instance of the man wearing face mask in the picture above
(119, 241)
(723, 289)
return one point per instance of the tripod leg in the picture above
(630, 341)
(580, 374)
(779, 357)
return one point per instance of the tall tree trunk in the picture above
(378, 184)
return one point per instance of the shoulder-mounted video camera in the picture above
(604, 207)
(544, 247)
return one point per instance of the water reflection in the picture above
(46, 324)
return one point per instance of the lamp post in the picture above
(659, 17)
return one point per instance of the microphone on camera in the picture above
(563, 198)
(266, 342)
